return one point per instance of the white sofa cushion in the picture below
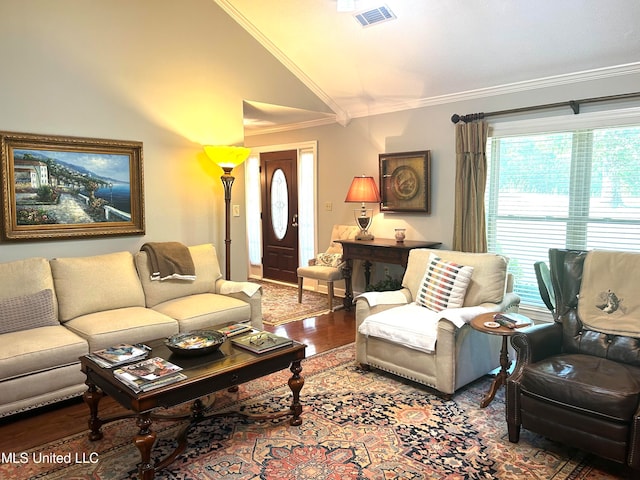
(93, 284)
(130, 325)
(39, 349)
(444, 284)
(205, 310)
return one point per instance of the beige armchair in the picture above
(435, 348)
(327, 266)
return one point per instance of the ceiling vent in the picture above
(374, 16)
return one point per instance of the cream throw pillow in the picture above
(444, 284)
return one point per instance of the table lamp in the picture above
(363, 190)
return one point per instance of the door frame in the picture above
(255, 271)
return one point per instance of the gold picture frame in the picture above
(67, 187)
(405, 182)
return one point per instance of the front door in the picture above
(280, 215)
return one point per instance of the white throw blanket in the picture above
(383, 298)
(414, 326)
(248, 288)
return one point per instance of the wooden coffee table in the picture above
(224, 369)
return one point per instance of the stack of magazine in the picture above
(119, 355)
(261, 341)
(149, 374)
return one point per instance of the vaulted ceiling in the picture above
(434, 51)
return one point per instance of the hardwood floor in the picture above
(24, 431)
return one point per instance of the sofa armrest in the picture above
(246, 291)
(533, 344)
(537, 342)
(510, 302)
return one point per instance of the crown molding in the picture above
(252, 132)
(546, 82)
(527, 85)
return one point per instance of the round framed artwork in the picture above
(405, 182)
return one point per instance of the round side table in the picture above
(478, 323)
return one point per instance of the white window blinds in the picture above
(576, 185)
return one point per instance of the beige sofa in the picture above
(460, 354)
(54, 311)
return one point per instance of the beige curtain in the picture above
(469, 231)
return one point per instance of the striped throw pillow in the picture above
(444, 284)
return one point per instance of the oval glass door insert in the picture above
(279, 204)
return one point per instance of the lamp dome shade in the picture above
(363, 189)
(227, 156)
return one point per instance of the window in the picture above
(253, 200)
(565, 183)
(307, 205)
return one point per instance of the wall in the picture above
(345, 152)
(172, 74)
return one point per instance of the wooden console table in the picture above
(383, 250)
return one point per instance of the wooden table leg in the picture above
(367, 273)
(348, 287)
(144, 441)
(92, 398)
(501, 378)
(295, 383)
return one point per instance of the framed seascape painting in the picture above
(405, 182)
(62, 187)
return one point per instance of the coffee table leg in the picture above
(92, 397)
(295, 384)
(144, 440)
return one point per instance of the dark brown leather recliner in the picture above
(574, 385)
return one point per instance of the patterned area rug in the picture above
(356, 425)
(280, 303)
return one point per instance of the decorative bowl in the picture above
(199, 342)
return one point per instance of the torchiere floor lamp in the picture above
(227, 157)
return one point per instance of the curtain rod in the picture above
(573, 104)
